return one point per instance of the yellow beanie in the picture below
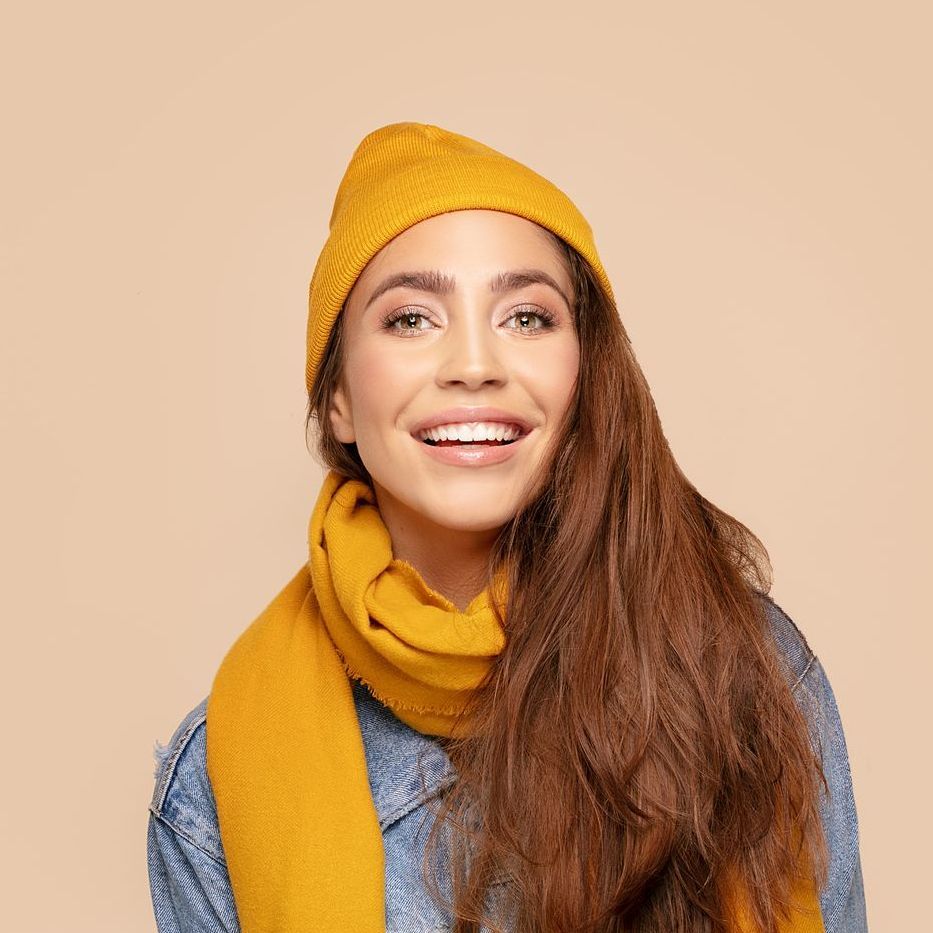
(403, 173)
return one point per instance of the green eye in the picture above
(406, 316)
(524, 315)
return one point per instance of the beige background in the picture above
(758, 177)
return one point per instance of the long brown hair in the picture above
(635, 753)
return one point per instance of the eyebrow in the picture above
(439, 283)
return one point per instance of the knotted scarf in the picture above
(285, 754)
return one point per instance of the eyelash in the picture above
(548, 320)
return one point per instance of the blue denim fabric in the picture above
(188, 878)
(842, 899)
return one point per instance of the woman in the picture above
(529, 678)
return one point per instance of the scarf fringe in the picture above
(391, 702)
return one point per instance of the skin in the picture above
(469, 348)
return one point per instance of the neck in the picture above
(450, 560)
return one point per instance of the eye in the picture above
(528, 312)
(407, 316)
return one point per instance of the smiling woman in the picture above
(489, 335)
(529, 678)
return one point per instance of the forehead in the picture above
(468, 244)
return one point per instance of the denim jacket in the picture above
(191, 890)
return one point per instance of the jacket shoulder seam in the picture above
(169, 754)
(178, 831)
(806, 670)
(808, 652)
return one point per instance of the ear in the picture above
(341, 416)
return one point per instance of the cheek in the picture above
(551, 376)
(380, 383)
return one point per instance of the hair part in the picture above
(635, 754)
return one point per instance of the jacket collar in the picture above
(405, 767)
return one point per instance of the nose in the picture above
(471, 354)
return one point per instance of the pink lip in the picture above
(477, 413)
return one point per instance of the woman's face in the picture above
(465, 310)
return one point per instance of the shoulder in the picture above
(842, 899)
(182, 797)
(188, 876)
(814, 695)
(792, 644)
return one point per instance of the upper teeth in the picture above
(471, 431)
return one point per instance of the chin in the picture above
(467, 503)
(457, 514)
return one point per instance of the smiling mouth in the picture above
(492, 443)
(472, 434)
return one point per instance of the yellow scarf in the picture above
(285, 755)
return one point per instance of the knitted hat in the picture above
(403, 173)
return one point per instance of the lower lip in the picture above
(472, 454)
